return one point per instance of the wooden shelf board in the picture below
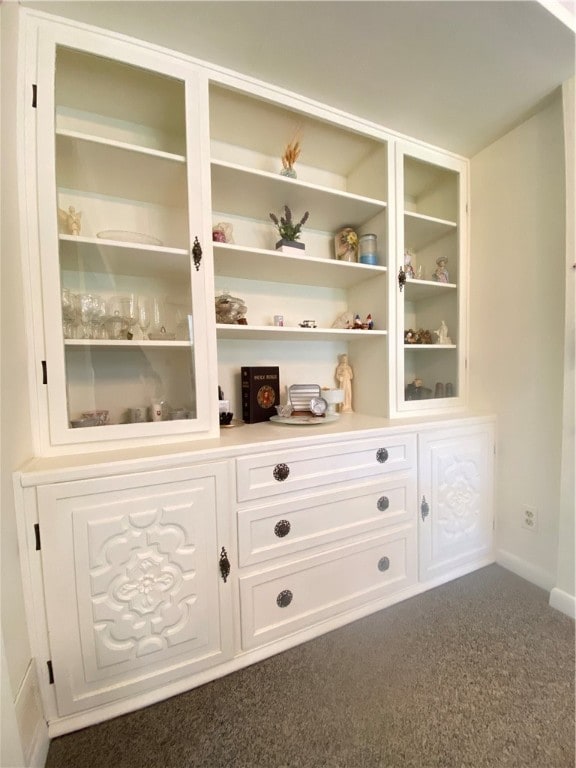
(270, 333)
(421, 231)
(274, 266)
(254, 194)
(92, 254)
(416, 290)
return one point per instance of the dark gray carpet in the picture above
(478, 672)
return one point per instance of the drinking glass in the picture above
(144, 314)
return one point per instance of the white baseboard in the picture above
(32, 727)
(563, 601)
(525, 570)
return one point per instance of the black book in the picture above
(260, 392)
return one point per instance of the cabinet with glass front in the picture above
(430, 287)
(124, 279)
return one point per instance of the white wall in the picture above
(517, 329)
(22, 725)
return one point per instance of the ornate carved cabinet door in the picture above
(455, 498)
(134, 597)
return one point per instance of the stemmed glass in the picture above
(70, 313)
(144, 314)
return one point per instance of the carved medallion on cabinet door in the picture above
(459, 496)
(144, 583)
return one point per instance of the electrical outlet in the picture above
(529, 518)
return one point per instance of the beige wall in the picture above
(517, 329)
(566, 576)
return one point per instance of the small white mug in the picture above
(156, 410)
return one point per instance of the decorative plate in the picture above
(304, 421)
(128, 237)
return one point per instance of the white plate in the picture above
(128, 237)
(304, 421)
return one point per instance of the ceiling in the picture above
(455, 73)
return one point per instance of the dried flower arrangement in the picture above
(291, 155)
(289, 229)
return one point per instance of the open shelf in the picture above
(270, 333)
(273, 266)
(254, 194)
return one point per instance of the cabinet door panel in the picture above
(131, 578)
(455, 497)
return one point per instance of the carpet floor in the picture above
(476, 673)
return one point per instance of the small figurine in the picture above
(357, 322)
(440, 274)
(442, 334)
(344, 375)
(69, 221)
(222, 232)
(369, 324)
(408, 268)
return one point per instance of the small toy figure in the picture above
(440, 274)
(369, 324)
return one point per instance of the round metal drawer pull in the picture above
(282, 528)
(381, 455)
(284, 598)
(281, 472)
(383, 564)
(383, 503)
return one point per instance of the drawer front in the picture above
(268, 474)
(284, 527)
(287, 599)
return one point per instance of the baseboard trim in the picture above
(32, 727)
(525, 570)
(563, 601)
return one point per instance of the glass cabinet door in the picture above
(124, 284)
(431, 225)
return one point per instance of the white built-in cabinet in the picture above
(144, 581)
(139, 154)
(150, 568)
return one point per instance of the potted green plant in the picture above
(289, 229)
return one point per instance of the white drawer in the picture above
(267, 474)
(284, 600)
(285, 527)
